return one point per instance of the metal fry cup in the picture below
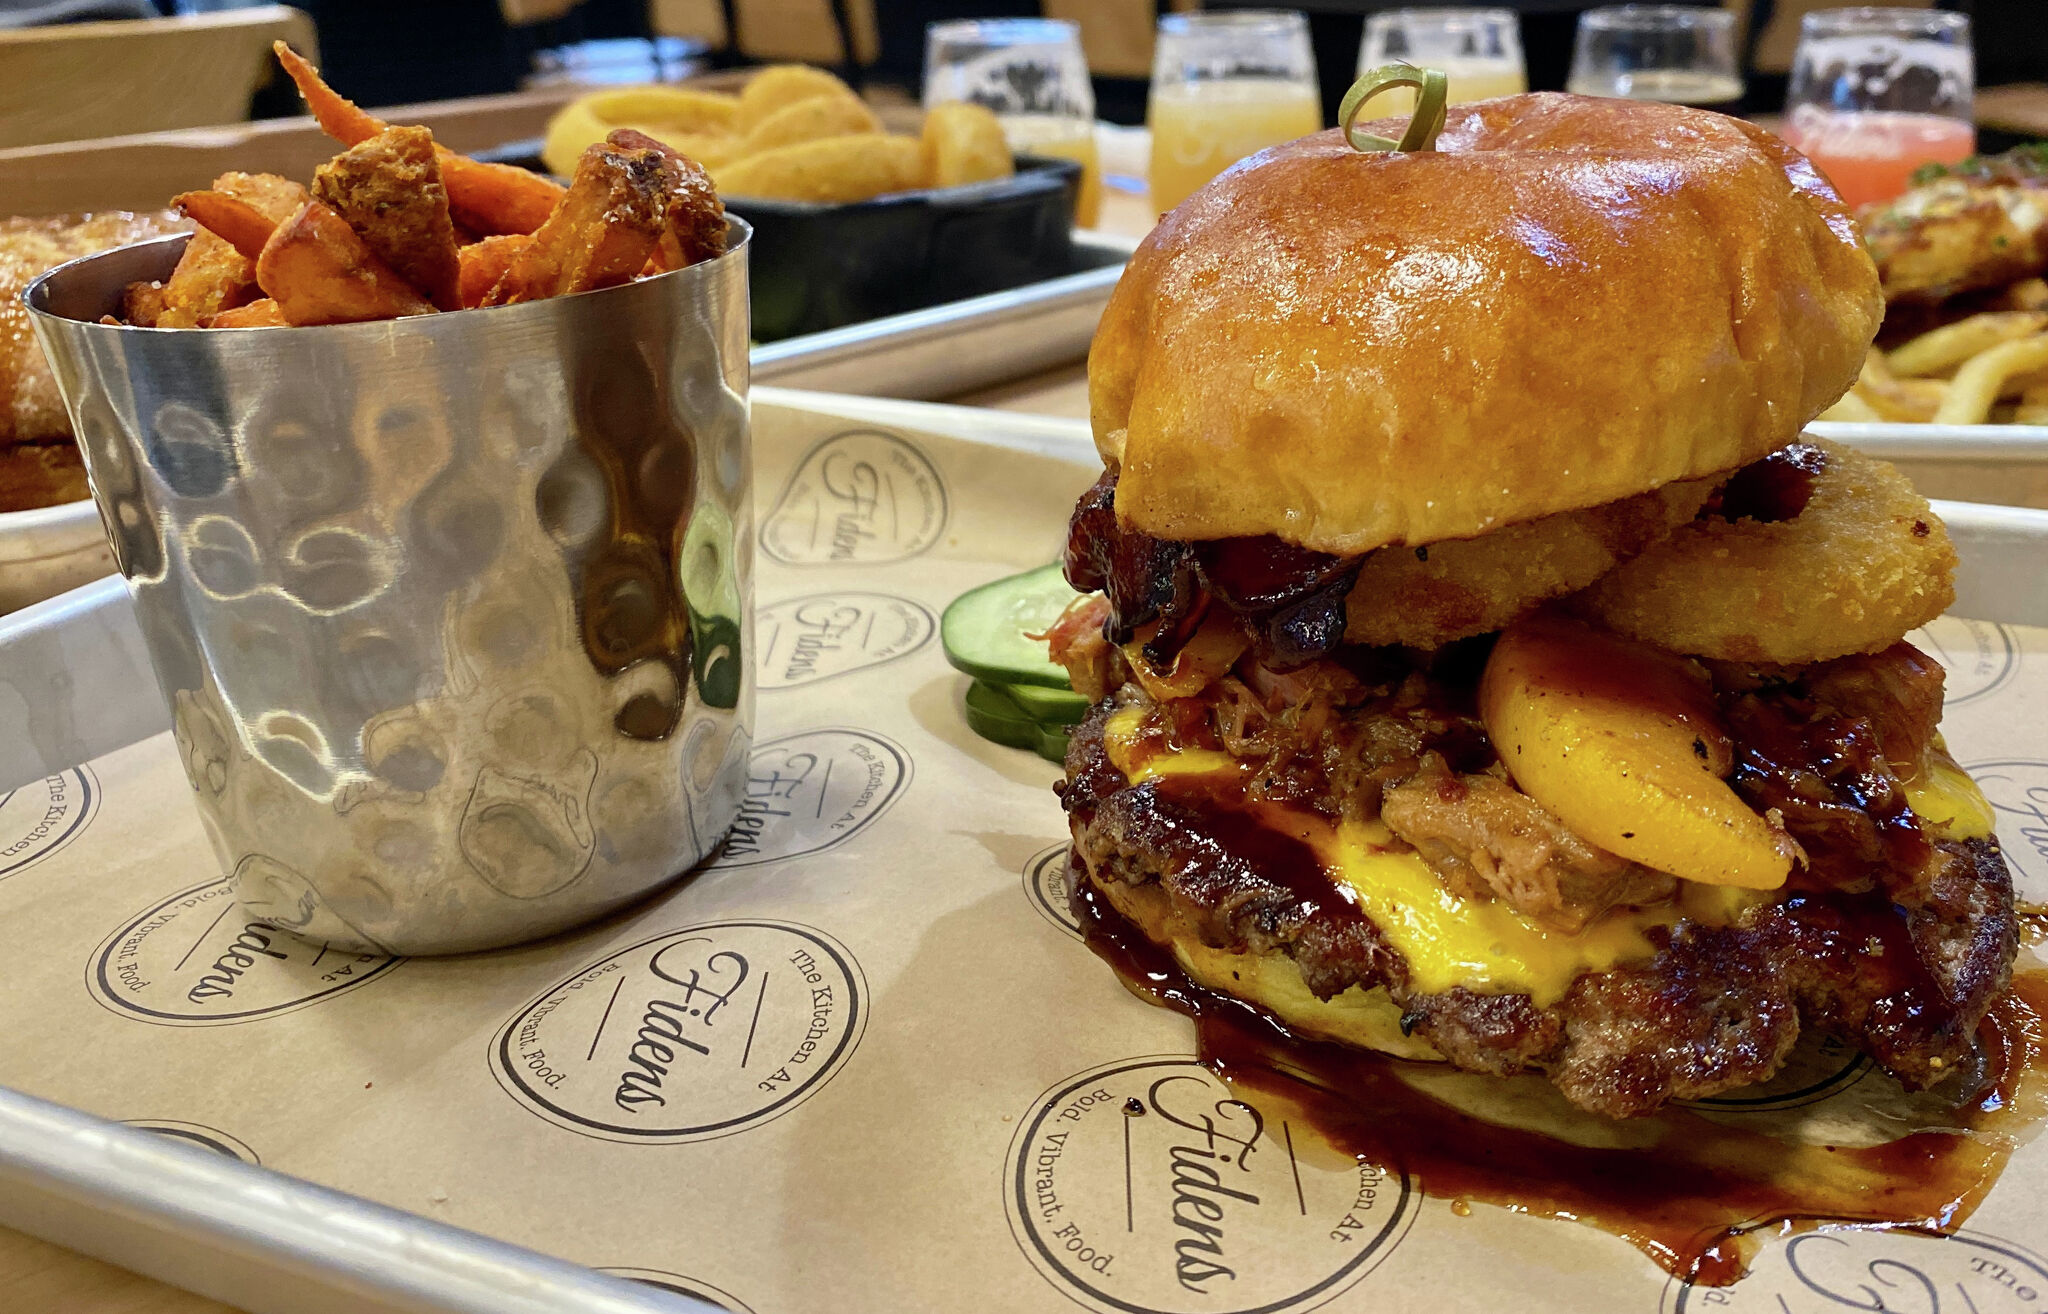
(453, 613)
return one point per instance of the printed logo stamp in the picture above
(1874, 1269)
(812, 790)
(1149, 1187)
(201, 959)
(691, 1035)
(861, 497)
(195, 1133)
(2018, 794)
(1815, 1070)
(1980, 657)
(805, 640)
(1045, 885)
(682, 1286)
(37, 820)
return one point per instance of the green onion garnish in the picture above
(1432, 89)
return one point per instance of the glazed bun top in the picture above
(1570, 301)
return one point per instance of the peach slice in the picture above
(1623, 743)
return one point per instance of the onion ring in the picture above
(1864, 562)
(1424, 597)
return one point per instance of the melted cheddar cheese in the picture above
(1487, 946)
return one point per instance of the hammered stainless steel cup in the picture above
(453, 613)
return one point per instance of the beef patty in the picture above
(1886, 938)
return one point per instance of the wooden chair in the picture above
(776, 31)
(79, 80)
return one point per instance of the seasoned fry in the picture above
(211, 275)
(230, 218)
(389, 190)
(602, 233)
(486, 198)
(484, 263)
(964, 143)
(1980, 381)
(1950, 345)
(833, 115)
(142, 303)
(779, 85)
(320, 272)
(851, 168)
(694, 216)
(263, 313)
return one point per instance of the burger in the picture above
(1484, 667)
(39, 463)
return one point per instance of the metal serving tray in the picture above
(73, 685)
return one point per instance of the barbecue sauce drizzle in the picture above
(1692, 1203)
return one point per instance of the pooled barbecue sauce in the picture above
(1689, 1200)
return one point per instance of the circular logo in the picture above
(1980, 657)
(1815, 1070)
(692, 1035)
(200, 959)
(194, 1133)
(37, 820)
(812, 790)
(1148, 1186)
(681, 1286)
(1045, 885)
(2018, 794)
(1877, 1269)
(805, 640)
(860, 497)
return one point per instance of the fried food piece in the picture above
(1989, 375)
(1863, 561)
(694, 216)
(832, 115)
(683, 117)
(1424, 597)
(230, 218)
(484, 263)
(485, 198)
(602, 233)
(319, 272)
(964, 143)
(212, 275)
(1980, 225)
(31, 408)
(831, 169)
(389, 189)
(262, 313)
(779, 85)
(1909, 401)
(142, 303)
(1940, 350)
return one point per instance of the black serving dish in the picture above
(815, 267)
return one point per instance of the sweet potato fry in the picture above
(603, 231)
(212, 275)
(389, 190)
(142, 304)
(486, 198)
(262, 313)
(320, 272)
(240, 224)
(485, 262)
(694, 217)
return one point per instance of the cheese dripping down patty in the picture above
(1450, 941)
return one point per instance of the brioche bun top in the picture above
(1571, 300)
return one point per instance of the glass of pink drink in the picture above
(1877, 93)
